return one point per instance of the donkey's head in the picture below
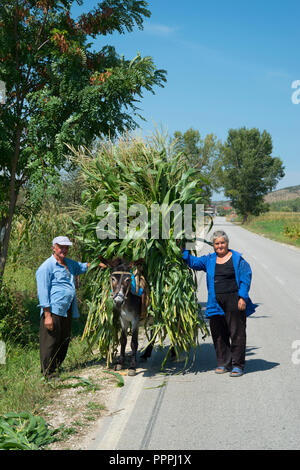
(120, 278)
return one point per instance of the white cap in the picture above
(62, 241)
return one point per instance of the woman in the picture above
(228, 278)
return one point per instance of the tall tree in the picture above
(249, 171)
(203, 154)
(60, 91)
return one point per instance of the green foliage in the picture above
(290, 205)
(203, 154)
(292, 231)
(32, 234)
(223, 212)
(120, 380)
(15, 325)
(57, 89)
(87, 384)
(24, 431)
(249, 170)
(60, 91)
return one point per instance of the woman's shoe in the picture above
(221, 370)
(236, 372)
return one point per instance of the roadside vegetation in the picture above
(291, 205)
(22, 387)
(283, 227)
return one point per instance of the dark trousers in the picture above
(229, 332)
(54, 344)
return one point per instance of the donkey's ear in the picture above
(107, 263)
(138, 262)
(115, 262)
(103, 260)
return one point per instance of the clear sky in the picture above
(230, 64)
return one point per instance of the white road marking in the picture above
(119, 420)
(279, 280)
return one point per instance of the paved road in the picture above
(202, 410)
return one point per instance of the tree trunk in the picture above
(6, 222)
(5, 226)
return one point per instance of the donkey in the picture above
(129, 308)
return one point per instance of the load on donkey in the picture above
(148, 175)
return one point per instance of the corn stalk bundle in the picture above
(147, 173)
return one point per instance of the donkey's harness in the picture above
(119, 293)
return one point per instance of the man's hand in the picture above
(241, 304)
(48, 320)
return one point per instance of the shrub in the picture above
(15, 324)
(292, 231)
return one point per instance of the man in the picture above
(57, 300)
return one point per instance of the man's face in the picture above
(60, 251)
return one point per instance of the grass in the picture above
(23, 388)
(21, 384)
(22, 277)
(274, 224)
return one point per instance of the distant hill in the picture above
(285, 194)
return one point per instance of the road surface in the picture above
(202, 410)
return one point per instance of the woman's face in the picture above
(221, 246)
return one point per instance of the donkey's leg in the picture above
(134, 346)
(121, 362)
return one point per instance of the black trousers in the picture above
(54, 344)
(229, 332)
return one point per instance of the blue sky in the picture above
(230, 64)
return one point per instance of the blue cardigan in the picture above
(243, 275)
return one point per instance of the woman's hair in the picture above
(219, 234)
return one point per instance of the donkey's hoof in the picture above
(118, 367)
(131, 372)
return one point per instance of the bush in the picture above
(292, 231)
(15, 325)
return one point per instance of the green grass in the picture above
(273, 224)
(21, 384)
(22, 387)
(22, 277)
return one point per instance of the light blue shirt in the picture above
(56, 286)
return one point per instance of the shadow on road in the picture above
(259, 365)
(256, 365)
(202, 359)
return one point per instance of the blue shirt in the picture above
(56, 286)
(243, 275)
